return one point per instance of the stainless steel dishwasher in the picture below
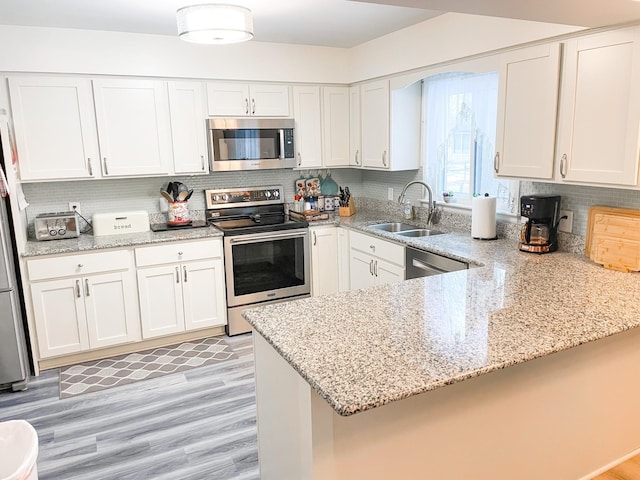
(424, 264)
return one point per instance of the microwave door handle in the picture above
(281, 135)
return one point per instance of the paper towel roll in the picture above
(483, 218)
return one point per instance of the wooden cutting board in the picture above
(613, 238)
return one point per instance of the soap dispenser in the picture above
(407, 209)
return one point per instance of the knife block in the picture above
(349, 209)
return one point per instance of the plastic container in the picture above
(18, 451)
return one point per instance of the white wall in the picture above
(444, 38)
(58, 50)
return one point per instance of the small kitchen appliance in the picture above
(540, 233)
(250, 143)
(55, 226)
(266, 253)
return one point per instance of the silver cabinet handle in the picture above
(179, 254)
(202, 161)
(184, 271)
(177, 274)
(89, 167)
(371, 267)
(384, 158)
(246, 106)
(375, 268)
(496, 162)
(253, 106)
(80, 265)
(78, 288)
(372, 247)
(315, 239)
(106, 168)
(299, 159)
(86, 287)
(357, 160)
(563, 160)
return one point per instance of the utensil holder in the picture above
(178, 213)
(349, 210)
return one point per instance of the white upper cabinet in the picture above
(599, 114)
(55, 128)
(243, 100)
(308, 129)
(390, 126)
(188, 129)
(355, 143)
(336, 126)
(133, 127)
(527, 109)
(374, 108)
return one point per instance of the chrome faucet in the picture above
(432, 205)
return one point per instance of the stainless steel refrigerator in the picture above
(14, 360)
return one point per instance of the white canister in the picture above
(178, 213)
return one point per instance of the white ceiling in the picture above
(586, 13)
(334, 23)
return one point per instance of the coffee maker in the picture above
(540, 233)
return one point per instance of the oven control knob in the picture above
(276, 193)
(225, 197)
(215, 198)
(267, 193)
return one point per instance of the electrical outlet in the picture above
(75, 206)
(390, 193)
(566, 224)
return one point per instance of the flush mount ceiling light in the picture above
(215, 23)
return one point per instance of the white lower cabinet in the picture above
(324, 260)
(83, 302)
(178, 296)
(374, 261)
(343, 259)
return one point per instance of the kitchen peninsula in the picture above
(523, 368)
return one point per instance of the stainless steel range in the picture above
(266, 254)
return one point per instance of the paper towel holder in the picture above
(483, 217)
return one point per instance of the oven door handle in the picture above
(240, 239)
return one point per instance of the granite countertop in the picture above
(86, 242)
(365, 348)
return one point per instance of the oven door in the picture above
(267, 266)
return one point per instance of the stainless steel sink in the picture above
(393, 227)
(419, 232)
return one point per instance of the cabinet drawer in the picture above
(389, 251)
(82, 264)
(178, 252)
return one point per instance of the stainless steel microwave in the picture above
(250, 143)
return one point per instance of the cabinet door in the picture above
(324, 260)
(527, 109)
(111, 308)
(308, 131)
(361, 270)
(161, 305)
(58, 310)
(374, 110)
(133, 127)
(336, 126)
(269, 100)
(600, 109)
(204, 294)
(55, 127)
(386, 272)
(343, 259)
(228, 99)
(188, 132)
(355, 143)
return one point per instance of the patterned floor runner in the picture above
(107, 373)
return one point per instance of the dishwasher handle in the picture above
(429, 269)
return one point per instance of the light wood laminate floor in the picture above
(199, 424)
(629, 470)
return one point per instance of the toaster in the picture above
(55, 226)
